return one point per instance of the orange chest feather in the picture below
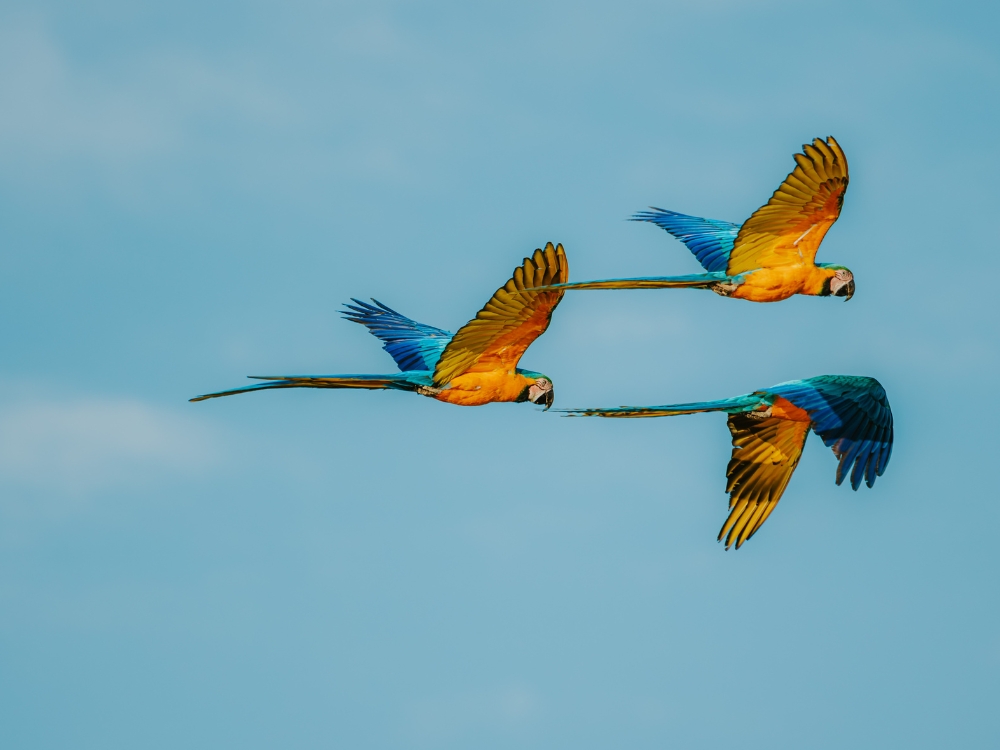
(784, 409)
(781, 282)
(478, 388)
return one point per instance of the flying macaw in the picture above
(769, 427)
(772, 255)
(477, 365)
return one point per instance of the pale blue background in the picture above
(189, 191)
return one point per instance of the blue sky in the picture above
(188, 193)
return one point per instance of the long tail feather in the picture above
(694, 281)
(371, 382)
(740, 403)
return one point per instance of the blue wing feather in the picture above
(851, 414)
(413, 345)
(710, 240)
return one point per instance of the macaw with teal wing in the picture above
(772, 255)
(477, 365)
(769, 428)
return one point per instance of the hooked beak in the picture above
(543, 398)
(541, 392)
(845, 290)
(547, 398)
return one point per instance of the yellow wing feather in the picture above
(765, 453)
(790, 227)
(501, 332)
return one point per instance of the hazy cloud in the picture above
(57, 108)
(81, 445)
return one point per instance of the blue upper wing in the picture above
(851, 414)
(413, 345)
(710, 240)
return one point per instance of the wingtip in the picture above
(643, 215)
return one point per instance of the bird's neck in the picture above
(816, 282)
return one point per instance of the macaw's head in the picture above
(538, 388)
(840, 283)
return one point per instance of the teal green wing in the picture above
(851, 414)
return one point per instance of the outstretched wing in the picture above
(413, 345)
(513, 318)
(710, 240)
(852, 415)
(790, 227)
(765, 453)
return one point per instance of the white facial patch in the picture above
(840, 279)
(539, 389)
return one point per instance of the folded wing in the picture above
(791, 226)
(513, 318)
(765, 453)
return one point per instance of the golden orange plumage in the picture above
(788, 229)
(772, 255)
(781, 282)
(776, 247)
(479, 365)
(480, 388)
(765, 453)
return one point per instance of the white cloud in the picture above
(78, 446)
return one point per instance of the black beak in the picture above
(547, 398)
(846, 291)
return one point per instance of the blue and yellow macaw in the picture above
(773, 254)
(477, 365)
(769, 427)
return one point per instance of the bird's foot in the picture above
(724, 288)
